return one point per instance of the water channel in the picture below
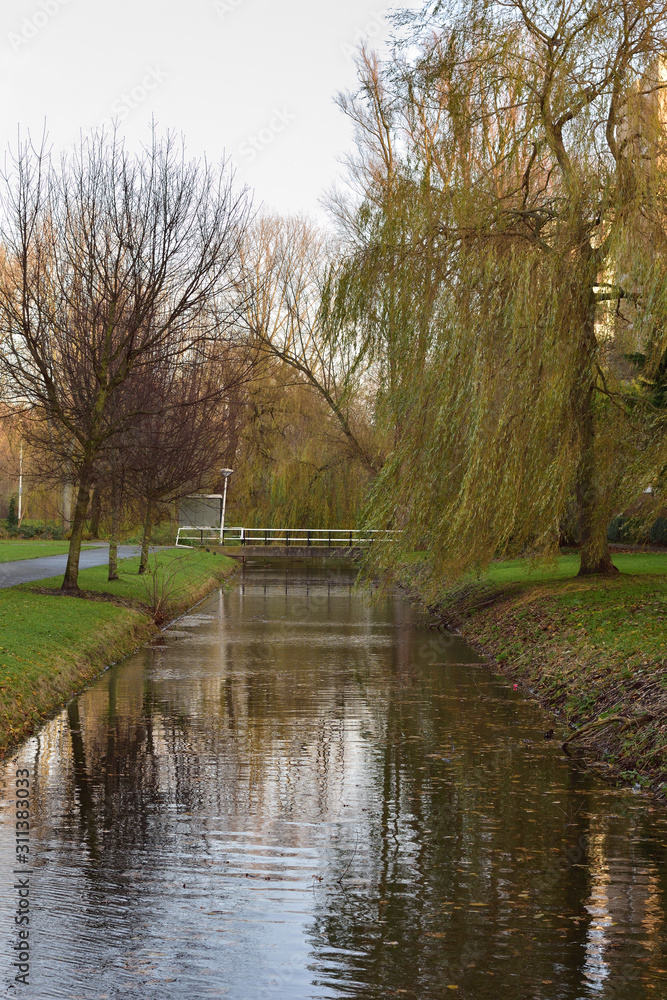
(298, 793)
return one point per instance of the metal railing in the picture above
(323, 537)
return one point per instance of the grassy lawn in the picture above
(567, 566)
(15, 550)
(52, 646)
(625, 613)
(619, 621)
(189, 569)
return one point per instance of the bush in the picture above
(164, 584)
(658, 533)
(12, 516)
(635, 531)
(33, 529)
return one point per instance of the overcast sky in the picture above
(253, 78)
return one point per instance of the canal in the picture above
(295, 792)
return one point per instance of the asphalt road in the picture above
(27, 570)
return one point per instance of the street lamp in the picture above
(20, 482)
(226, 474)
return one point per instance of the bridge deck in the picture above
(245, 552)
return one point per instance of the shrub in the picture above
(634, 530)
(658, 532)
(12, 516)
(164, 584)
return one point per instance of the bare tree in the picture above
(179, 447)
(111, 260)
(287, 264)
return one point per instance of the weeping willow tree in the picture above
(508, 256)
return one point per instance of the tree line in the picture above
(475, 353)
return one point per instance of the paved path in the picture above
(27, 570)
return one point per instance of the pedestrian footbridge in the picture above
(282, 542)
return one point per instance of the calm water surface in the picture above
(298, 794)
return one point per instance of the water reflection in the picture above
(297, 793)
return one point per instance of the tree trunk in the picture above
(595, 557)
(70, 582)
(95, 513)
(67, 506)
(148, 523)
(113, 544)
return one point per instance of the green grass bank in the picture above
(592, 650)
(51, 646)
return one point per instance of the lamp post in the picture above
(226, 474)
(21, 483)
